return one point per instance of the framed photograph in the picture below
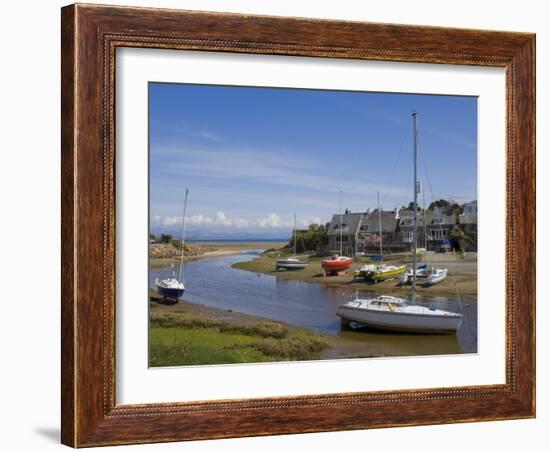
(282, 225)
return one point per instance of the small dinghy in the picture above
(421, 272)
(436, 276)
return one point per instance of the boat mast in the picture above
(341, 244)
(424, 210)
(294, 234)
(415, 204)
(379, 224)
(180, 276)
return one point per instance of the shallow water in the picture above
(213, 282)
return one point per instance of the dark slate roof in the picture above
(387, 217)
(350, 223)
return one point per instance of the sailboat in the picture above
(337, 263)
(291, 263)
(394, 313)
(379, 272)
(174, 287)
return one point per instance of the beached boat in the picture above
(422, 271)
(337, 263)
(396, 314)
(379, 272)
(174, 287)
(291, 263)
(385, 271)
(436, 276)
(170, 287)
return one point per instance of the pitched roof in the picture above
(372, 221)
(350, 223)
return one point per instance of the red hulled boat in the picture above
(336, 264)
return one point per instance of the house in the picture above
(378, 225)
(468, 223)
(342, 232)
(468, 217)
(433, 228)
(360, 231)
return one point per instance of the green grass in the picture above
(178, 340)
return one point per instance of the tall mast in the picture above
(379, 224)
(341, 244)
(294, 234)
(180, 276)
(424, 210)
(415, 204)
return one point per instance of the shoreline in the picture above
(462, 276)
(203, 326)
(188, 317)
(221, 249)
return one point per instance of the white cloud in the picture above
(270, 221)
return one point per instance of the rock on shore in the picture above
(169, 251)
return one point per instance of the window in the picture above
(438, 234)
(407, 222)
(438, 221)
(407, 236)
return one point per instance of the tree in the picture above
(311, 239)
(166, 238)
(439, 204)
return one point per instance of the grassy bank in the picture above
(462, 274)
(186, 334)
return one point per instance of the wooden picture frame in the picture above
(90, 36)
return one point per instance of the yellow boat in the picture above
(383, 271)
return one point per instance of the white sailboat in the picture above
(397, 314)
(174, 287)
(291, 263)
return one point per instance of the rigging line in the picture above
(392, 174)
(425, 166)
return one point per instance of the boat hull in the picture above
(336, 266)
(169, 292)
(400, 322)
(435, 279)
(382, 275)
(290, 265)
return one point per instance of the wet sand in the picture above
(462, 277)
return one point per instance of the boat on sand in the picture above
(397, 314)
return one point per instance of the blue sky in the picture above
(251, 157)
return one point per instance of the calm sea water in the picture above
(213, 282)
